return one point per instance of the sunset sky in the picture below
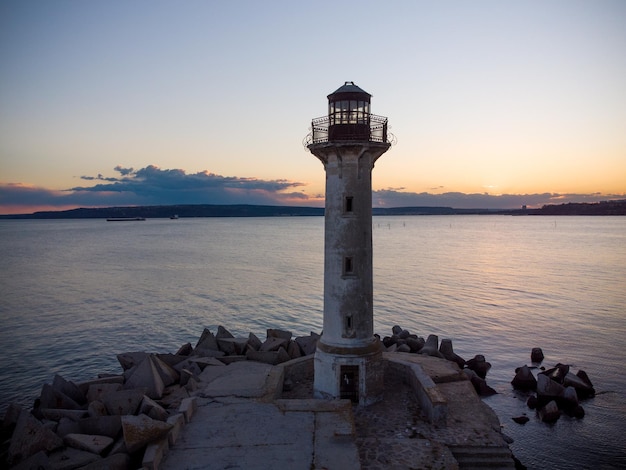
(493, 103)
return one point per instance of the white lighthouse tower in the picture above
(348, 360)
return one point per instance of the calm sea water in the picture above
(75, 293)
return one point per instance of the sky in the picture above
(493, 104)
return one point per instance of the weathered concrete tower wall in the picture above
(348, 361)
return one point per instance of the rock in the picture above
(124, 402)
(152, 409)
(521, 419)
(273, 344)
(96, 408)
(207, 341)
(308, 344)
(172, 396)
(112, 462)
(557, 373)
(10, 418)
(404, 334)
(233, 346)
(396, 330)
(185, 350)
(388, 341)
(446, 349)
(532, 402)
(84, 386)
(101, 425)
(168, 374)
(479, 383)
(67, 426)
(524, 379)
(56, 414)
(89, 442)
(479, 365)
(129, 360)
(223, 333)
(403, 348)
(272, 333)
(570, 397)
(536, 355)
(70, 458)
(38, 461)
(98, 390)
(550, 413)
(226, 360)
(69, 389)
(583, 387)
(431, 348)
(29, 437)
(140, 430)
(578, 412)
(268, 357)
(294, 350)
(416, 344)
(146, 376)
(546, 387)
(254, 342)
(52, 398)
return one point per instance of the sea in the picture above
(75, 293)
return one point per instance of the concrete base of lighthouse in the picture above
(349, 372)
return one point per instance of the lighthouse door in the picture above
(349, 383)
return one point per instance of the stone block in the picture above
(284, 334)
(67, 426)
(168, 374)
(152, 409)
(254, 342)
(223, 333)
(124, 402)
(146, 376)
(141, 430)
(154, 454)
(38, 461)
(69, 389)
(102, 425)
(294, 350)
(232, 346)
(273, 344)
(172, 396)
(84, 386)
(57, 414)
(97, 408)
(90, 442)
(178, 422)
(185, 350)
(308, 344)
(29, 437)
(188, 407)
(119, 461)
(129, 360)
(95, 391)
(206, 342)
(69, 458)
(226, 360)
(52, 398)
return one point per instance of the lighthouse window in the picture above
(347, 265)
(348, 204)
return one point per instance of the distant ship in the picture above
(125, 219)
(174, 217)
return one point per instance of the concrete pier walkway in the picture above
(430, 417)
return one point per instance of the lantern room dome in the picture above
(348, 91)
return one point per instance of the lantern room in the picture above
(349, 113)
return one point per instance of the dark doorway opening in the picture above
(349, 383)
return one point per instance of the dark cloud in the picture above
(155, 186)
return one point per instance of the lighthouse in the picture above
(348, 141)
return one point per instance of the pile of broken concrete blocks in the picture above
(129, 420)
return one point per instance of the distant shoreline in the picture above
(614, 207)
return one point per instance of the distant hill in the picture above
(617, 207)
